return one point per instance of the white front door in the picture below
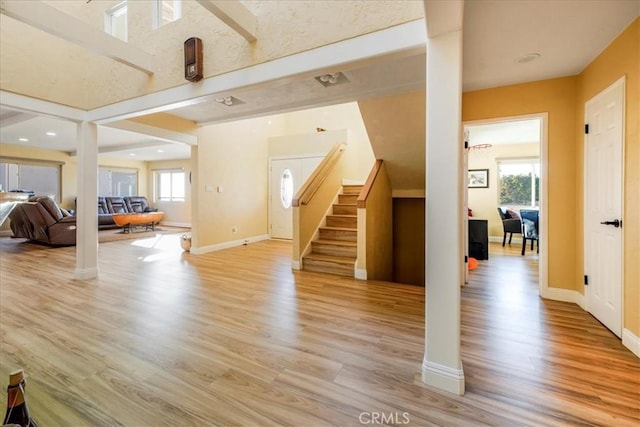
(287, 176)
(603, 205)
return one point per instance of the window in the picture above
(286, 188)
(519, 182)
(170, 186)
(115, 21)
(117, 182)
(39, 179)
(166, 11)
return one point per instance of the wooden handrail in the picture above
(318, 176)
(368, 185)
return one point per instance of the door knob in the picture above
(616, 223)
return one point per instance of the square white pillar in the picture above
(87, 202)
(442, 366)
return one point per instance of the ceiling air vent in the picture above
(332, 79)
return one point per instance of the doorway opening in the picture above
(507, 189)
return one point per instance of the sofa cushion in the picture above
(137, 204)
(102, 206)
(116, 205)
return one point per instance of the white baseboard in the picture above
(176, 224)
(295, 265)
(86, 273)
(631, 341)
(443, 377)
(361, 274)
(227, 245)
(565, 295)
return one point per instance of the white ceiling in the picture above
(567, 35)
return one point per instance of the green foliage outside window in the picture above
(515, 190)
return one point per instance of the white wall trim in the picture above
(443, 377)
(176, 224)
(86, 273)
(631, 341)
(226, 245)
(565, 295)
(296, 265)
(360, 273)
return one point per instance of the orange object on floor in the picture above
(472, 264)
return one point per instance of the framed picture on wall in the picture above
(478, 178)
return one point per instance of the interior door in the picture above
(287, 176)
(603, 205)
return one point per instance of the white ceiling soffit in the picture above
(567, 34)
(509, 132)
(401, 75)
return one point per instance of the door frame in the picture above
(543, 266)
(269, 175)
(621, 81)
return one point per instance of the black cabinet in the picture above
(478, 238)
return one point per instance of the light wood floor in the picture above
(165, 338)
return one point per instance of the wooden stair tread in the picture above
(330, 258)
(335, 242)
(343, 215)
(338, 228)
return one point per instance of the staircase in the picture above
(336, 249)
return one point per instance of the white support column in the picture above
(87, 209)
(442, 366)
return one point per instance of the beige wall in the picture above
(484, 201)
(70, 170)
(175, 213)
(86, 80)
(233, 156)
(621, 58)
(338, 117)
(306, 143)
(408, 241)
(557, 97)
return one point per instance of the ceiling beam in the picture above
(235, 15)
(57, 23)
(159, 133)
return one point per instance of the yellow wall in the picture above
(484, 201)
(557, 97)
(620, 58)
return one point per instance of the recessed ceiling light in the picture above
(50, 133)
(132, 154)
(528, 58)
(160, 151)
(23, 139)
